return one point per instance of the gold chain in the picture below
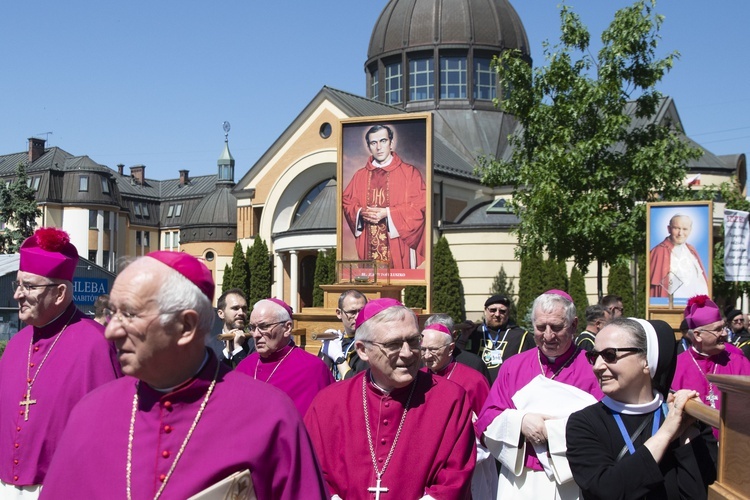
(255, 375)
(129, 465)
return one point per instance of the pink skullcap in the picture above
(701, 311)
(283, 304)
(190, 267)
(49, 253)
(561, 294)
(374, 307)
(440, 328)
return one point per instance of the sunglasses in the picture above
(609, 355)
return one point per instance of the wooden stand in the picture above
(332, 292)
(733, 480)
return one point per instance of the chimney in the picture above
(138, 174)
(36, 149)
(120, 168)
(184, 178)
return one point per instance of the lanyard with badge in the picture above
(492, 352)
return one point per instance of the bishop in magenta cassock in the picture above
(523, 420)
(180, 421)
(393, 432)
(709, 353)
(49, 365)
(277, 360)
(384, 205)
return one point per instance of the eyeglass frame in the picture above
(716, 333)
(127, 317)
(593, 355)
(432, 350)
(351, 314)
(385, 350)
(26, 288)
(264, 329)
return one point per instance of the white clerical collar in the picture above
(372, 381)
(634, 409)
(699, 353)
(383, 164)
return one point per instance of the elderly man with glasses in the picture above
(169, 428)
(710, 352)
(497, 337)
(523, 419)
(277, 360)
(49, 365)
(393, 431)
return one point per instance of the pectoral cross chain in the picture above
(27, 402)
(377, 489)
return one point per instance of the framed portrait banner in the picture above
(679, 238)
(384, 227)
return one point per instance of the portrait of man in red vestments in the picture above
(384, 195)
(679, 261)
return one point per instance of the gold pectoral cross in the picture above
(27, 401)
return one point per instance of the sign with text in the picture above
(736, 241)
(86, 290)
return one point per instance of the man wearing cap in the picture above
(49, 365)
(523, 420)
(709, 352)
(277, 360)
(169, 427)
(496, 338)
(339, 353)
(740, 337)
(393, 431)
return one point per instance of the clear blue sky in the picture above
(150, 82)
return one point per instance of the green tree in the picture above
(577, 291)
(415, 296)
(240, 272)
(447, 289)
(588, 152)
(226, 281)
(620, 283)
(555, 275)
(18, 211)
(502, 285)
(259, 262)
(530, 285)
(642, 287)
(325, 274)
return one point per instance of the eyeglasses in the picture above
(393, 348)
(433, 350)
(263, 329)
(609, 355)
(738, 321)
(127, 317)
(616, 308)
(496, 310)
(351, 314)
(27, 287)
(717, 333)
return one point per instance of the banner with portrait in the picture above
(736, 245)
(385, 174)
(679, 239)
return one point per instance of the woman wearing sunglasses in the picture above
(637, 442)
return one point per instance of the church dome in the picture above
(428, 53)
(213, 219)
(410, 24)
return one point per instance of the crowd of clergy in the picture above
(153, 402)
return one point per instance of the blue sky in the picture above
(150, 83)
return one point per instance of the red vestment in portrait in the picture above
(401, 188)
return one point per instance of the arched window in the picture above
(307, 200)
